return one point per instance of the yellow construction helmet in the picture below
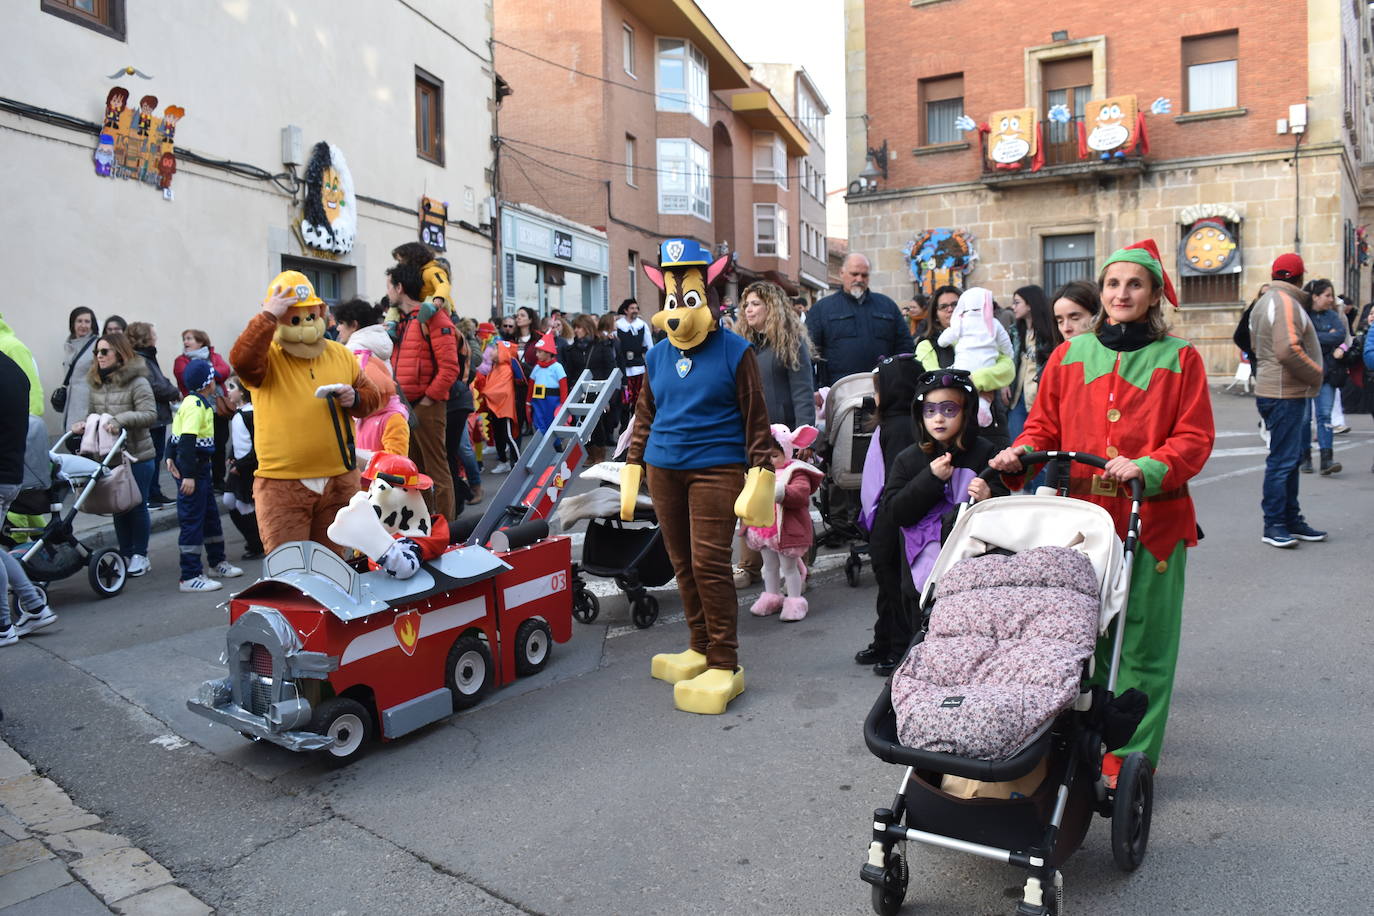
(294, 280)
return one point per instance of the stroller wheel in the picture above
(888, 896)
(586, 606)
(107, 573)
(1135, 793)
(852, 567)
(645, 612)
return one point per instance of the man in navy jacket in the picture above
(855, 327)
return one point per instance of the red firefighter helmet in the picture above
(398, 471)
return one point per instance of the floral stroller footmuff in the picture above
(1003, 655)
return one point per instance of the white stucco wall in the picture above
(242, 70)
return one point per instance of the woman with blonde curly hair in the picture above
(784, 356)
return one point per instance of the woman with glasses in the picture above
(121, 398)
(1133, 394)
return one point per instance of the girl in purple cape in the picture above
(923, 486)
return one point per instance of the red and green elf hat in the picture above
(1146, 254)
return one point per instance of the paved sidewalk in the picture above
(55, 859)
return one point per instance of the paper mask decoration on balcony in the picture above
(1209, 246)
(939, 257)
(433, 218)
(1014, 138)
(329, 220)
(1114, 128)
(134, 144)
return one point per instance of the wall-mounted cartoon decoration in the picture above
(1114, 128)
(939, 257)
(433, 217)
(130, 147)
(1209, 246)
(1014, 138)
(330, 215)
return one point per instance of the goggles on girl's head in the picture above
(950, 409)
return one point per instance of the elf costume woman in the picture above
(1137, 396)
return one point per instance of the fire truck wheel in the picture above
(468, 671)
(348, 723)
(532, 643)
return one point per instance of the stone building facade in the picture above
(1226, 152)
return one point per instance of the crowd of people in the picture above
(962, 385)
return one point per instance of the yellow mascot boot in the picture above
(677, 666)
(709, 692)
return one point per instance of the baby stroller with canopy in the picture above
(847, 425)
(57, 553)
(1056, 770)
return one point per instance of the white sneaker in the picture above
(227, 570)
(200, 584)
(138, 565)
(501, 468)
(8, 636)
(28, 622)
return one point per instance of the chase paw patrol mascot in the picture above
(389, 523)
(701, 429)
(302, 385)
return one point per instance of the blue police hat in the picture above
(683, 253)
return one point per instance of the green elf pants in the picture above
(1149, 652)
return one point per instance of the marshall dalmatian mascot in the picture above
(389, 522)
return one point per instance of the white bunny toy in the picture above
(787, 540)
(978, 338)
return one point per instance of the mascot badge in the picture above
(701, 435)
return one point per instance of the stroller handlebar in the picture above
(1136, 485)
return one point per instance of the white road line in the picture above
(1203, 481)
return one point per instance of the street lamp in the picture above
(875, 167)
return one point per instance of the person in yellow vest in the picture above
(302, 385)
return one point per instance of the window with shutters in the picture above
(429, 117)
(770, 159)
(942, 100)
(1210, 70)
(1066, 81)
(770, 231)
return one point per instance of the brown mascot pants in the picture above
(288, 510)
(696, 513)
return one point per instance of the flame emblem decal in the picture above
(407, 629)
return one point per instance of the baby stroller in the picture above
(1036, 830)
(848, 429)
(58, 553)
(631, 553)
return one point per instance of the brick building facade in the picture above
(637, 118)
(1224, 153)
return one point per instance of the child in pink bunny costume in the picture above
(978, 338)
(789, 538)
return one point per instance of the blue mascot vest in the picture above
(697, 423)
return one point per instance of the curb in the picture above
(54, 857)
(101, 534)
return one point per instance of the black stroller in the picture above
(847, 430)
(631, 553)
(57, 553)
(1039, 830)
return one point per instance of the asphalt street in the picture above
(581, 790)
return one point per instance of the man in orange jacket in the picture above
(425, 363)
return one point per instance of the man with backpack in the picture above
(425, 364)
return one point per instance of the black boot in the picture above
(1329, 464)
(1306, 466)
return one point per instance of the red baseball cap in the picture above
(1287, 267)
